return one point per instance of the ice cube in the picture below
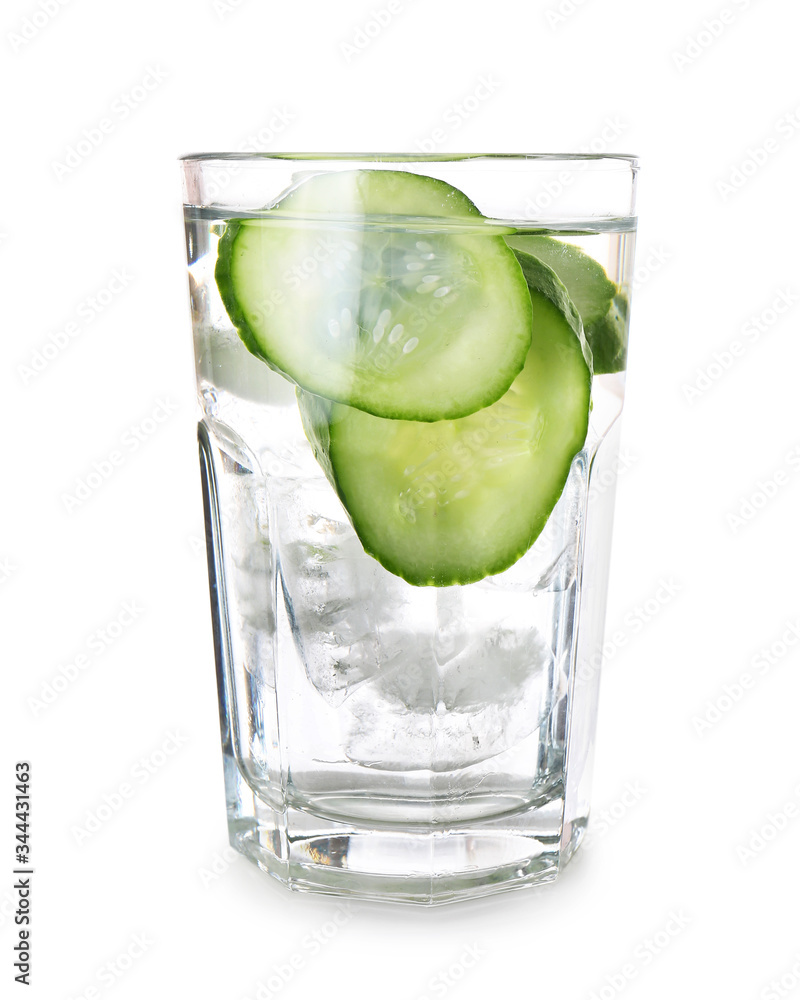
(346, 611)
(426, 713)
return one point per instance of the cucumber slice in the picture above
(457, 500)
(381, 289)
(609, 337)
(602, 306)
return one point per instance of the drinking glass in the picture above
(408, 554)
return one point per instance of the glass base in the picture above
(309, 850)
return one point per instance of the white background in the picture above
(713, 763)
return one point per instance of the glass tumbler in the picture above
(410, 373)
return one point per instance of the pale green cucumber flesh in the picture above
(454, 501)
(332, 289)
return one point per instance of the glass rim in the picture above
(617, 159)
